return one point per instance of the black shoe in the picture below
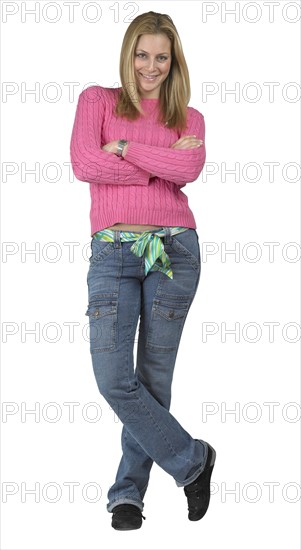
(126, 517)
(198, 492)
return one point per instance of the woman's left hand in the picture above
(111, 147)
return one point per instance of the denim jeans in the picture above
(120, 295)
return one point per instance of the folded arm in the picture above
(89, 162)
(179, 166)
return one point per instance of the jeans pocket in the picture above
(166, 324)
(103, 325)
(186, 244)
(100, 250)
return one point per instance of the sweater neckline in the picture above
(143, 98)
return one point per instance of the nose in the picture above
(151, 64)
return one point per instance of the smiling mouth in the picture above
(149, 77)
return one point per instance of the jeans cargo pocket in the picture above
(166, 324)
(103, 325)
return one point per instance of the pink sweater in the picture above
(121, 189)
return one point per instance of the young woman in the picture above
(137, 146)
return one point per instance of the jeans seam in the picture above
(158, 428)
(198, 472)
(129, 349)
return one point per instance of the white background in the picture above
(45, 292)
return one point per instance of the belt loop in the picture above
(167, 236)
(117, 241)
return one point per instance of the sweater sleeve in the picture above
(177, 165)
(89, 162)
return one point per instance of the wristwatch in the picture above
(121, 145)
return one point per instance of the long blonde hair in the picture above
(174, 91)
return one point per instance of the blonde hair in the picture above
(174, 91)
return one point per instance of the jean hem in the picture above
(196, 474)
(112, 505)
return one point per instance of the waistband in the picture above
(148, 242)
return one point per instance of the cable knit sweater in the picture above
(122, 189)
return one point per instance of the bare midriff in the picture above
(134, 228)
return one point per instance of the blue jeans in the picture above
(120, 293)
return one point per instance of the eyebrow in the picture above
(140, 50)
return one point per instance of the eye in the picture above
(162, 57)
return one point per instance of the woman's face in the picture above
(152, 59)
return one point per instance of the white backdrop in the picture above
(240, 392)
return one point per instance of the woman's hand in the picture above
(187, 142)
(110, 147)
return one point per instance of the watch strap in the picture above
(120, 146)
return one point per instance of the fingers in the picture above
(186, 142)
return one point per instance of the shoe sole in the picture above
(126, 528)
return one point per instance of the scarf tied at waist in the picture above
(148, 244)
